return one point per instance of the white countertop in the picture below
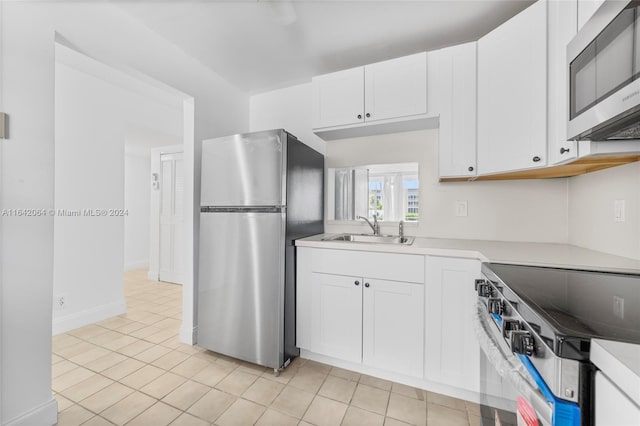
(620, 362)
(535, 254)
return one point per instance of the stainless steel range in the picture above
(535, 326)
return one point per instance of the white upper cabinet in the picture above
(338, 98)
(396, 88)
(512, 93)
(452, 95)
(389, 90)
(563, 17)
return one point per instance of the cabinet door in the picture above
(393, 326)
(455, 101)
(336, 316)
(512, 93)
(562, 28)
(396, 88)
(338, 98)
(452, 352)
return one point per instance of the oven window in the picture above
(610, 62)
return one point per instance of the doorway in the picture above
(107, 124)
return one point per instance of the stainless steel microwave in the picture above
(604, 75)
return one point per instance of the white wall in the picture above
(288, 108)
(137, 181)
(534, 210)
(591, 210)
(28, 166)
(92, 117)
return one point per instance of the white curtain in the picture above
(393, 197)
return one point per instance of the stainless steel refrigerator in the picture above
(259, 192)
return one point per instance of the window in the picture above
(390, 191)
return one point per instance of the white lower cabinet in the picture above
(412, 315)
(336, 316)
(370, 319)
(393, 326)
(452, 352)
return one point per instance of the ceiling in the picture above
(264, 45)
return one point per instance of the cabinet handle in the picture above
(359, 116)
(366, 285)
(368, 115)
(563, 150)
(357, 283)
(536, 159)
(470, 168)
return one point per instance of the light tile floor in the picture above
(133, 370)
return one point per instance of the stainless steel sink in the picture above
(368, 238)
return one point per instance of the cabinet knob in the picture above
(366, 285)
(359, 116)
(368, 115)
(470, 168)
(563, 150)
(536, 159)
(357, 282)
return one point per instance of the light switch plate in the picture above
(619, 210)
(461, 208)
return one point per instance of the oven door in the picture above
(531, 401)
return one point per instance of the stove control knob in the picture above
(509, 326)
(522, 343)
(484, 290)
(495, 306)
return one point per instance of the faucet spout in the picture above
(375, 226)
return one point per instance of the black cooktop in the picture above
(568, 308)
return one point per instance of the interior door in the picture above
(172, 218)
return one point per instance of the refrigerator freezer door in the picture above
(244, 170)
(241, 285)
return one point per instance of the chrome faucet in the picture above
(401, 229)
(375, 225)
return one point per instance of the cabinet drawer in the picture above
(386, 266)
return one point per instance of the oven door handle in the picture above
(509, 367)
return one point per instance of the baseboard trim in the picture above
(143, 264)
(416, 382)
(43, 414)
(188, 335)
(153, 275)
(88, 316)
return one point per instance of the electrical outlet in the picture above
(618, 307)
(619, 210)
(60, 301)
(461, 208)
